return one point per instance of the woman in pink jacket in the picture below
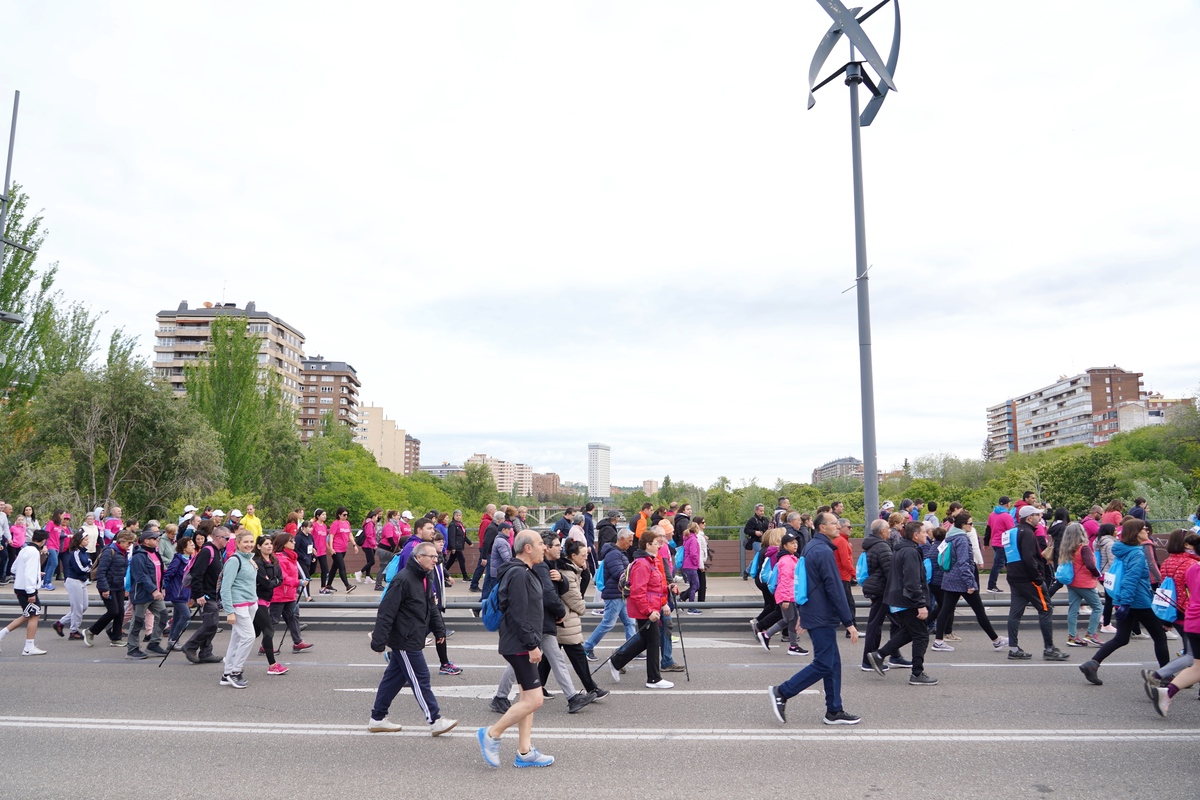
(691, 562)
(785, 597)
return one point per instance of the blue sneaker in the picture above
(490, 748)
(533, 759)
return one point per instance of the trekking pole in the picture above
(172, 642)
(683, 649)
(614, 652)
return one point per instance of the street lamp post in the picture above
(846, 23)
(5, 200)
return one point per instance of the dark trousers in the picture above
(369, 553)
(451, 557)
(477, 574)
(909, 628)
(703, 590)
(385, 557)
(263, 628)
(406, 667)
(113, 616)
(946, 615)
(286, 613)
(1029, 594)
(201, 642)
(323, 563)
(338, 568)
(826, 666)
(770, 613)
(850, 602)
(578, 661)
(998, 562)
(1125, 627)
(875, 617)
(646, 641)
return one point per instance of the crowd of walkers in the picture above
(915, 566)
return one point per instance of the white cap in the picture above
(187, 516)
(218, 512)
(888, 504)
(188, 508)
(236, 513)
(406, 514)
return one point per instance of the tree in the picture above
(664, 490)
(24, 291)
(989, 449)
(475, 488)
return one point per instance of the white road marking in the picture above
(839, 736)
(487, 691)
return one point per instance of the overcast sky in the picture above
(534, 225)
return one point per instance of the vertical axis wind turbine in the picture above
(846, 22)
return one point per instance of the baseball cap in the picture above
(189, 508)
(66, 516)
(1029, 511)
(888, 505)
(406, 514)
(235, 513)
(614, 514)
(218, 512)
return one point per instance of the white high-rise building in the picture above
(599, 474)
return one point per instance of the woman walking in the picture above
(283, 599)
(239, 596)
(1074, 550)
(110, 582)
(569, 632)
(320, 542)
(78, 569)
(962, 581)
(53, 545)
(269, 577)
(456, 544)
(175, 593)
(370, 531)
(1132, 601)
(705, 556)
(1105, 539)
(339, 542)
(389, 544)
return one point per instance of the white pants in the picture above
(558, 665)
(77, 595)
(240, 639)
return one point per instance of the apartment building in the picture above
(330, 387)
(443, 470)
(848, 467)
(599, 472)
(506, 474)
(381, 437)
(546, 485)
(183, 336)
(650, 487)
(412, 454)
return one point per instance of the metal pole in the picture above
(866, 371)
(12, 137)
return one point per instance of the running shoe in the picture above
(58, 628)
(383, 726)
(1019, 655)
(796, 651)
(840, 717)
(277, 669)
(1107, 629)
(532, 759)
(616, 676)
(994, 590)
(899, 661)
(89, 639)
(660, 684)
(950, 637)
(1162, 700)
(442, 725)
(765, 641)
(300, 648)
(590, 655)
(600, 694)
(33, 651)
(1054, 654)
(876, 661)
(942, 647)
(1151, 682)
(1000, 643)
(1093, 641)
(1090, 669)
(450, 669)
(75, 636)
(489, 747)
(500, 704)
(1076, 642)
(924, 679)
(778, 704)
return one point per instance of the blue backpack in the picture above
(1113, 580)
(773, 579)
(1012, 553)
(861, 573)
(755, 563)
(1163, 603)
(679, 558)
(928, 570)
(490, 609)
(764, 574)
(1065, 573)
(800, 583)
(599, 581)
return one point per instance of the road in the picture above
(990, 729)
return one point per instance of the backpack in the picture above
(1163, 603)
(186, 581)
(928, 570)
(1065, 573)
(773, 579)
(764, 574)
(1008, 539)
(861, 572)
(623, 584)
(599, 579)
(800, 583)
(945, 555)
(128, 583)
(679, 558)
(490, 609)
(360, 537)
(755, 563)
(1113, 579)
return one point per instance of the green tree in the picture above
(474, 489)
(25, 291)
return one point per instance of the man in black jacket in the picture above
(681, 520)
(407, 611)
(204, 573)
(908, 591)
(521, 607)
(752, 534)
(1027, 584)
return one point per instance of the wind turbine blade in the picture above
(846, 20)
(868, 115)
(823, 50)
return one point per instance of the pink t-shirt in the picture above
(319, 533)
(340, 531)
(55, 532)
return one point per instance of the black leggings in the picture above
(770, 613)
(339, 567)
(1125, 627)
(113, 617)
(579, 663)
(323, 563)
(262, 626)
(458, 555)
(369, 552)
(702, 592)
(946, 615)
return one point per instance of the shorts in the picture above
(28, 601)
(525, 670)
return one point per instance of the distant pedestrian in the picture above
(205, 575)
(78, 569)
(146, 594)
(822, 611)
(110, 583)
(27, 569)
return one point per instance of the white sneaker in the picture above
(661, 684)
(1172, 635)
(942, 647)
(358, 576)
(33, 651)
(616, 673)
(384, 725)
(1108, 629)
(441, 725)
(1000, 643)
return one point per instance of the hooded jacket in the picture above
(906, 587)
(647, 586)
(289, 573)
(270, 576)
(205, 572)
(826, 606)
(606, 533)
(961, 576)
(614, 562)
(520, 599)
(110, 572)
(1135, 585)
(879, 565)
(407, 611)
(145, 575)
(238, 588)
(571, 629)
(691, 551)
(999, 521)
(552, 605)
(173, 580)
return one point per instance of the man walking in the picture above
(407, 610)
(205, 571)
(999, 521)
(824, 609)
(907, 595)
(613, 561)
(146, 572)
(1026, 582)
(752, 535)
(520, 598)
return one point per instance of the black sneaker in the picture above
(923, 679)
(840, 718)
(500, 705)
(868, 668)
(1019, 655)
(136, 654)
(590, 655)
(549, 695)
(600, 694)
(899, 661)
(778, 704)
(156, 648)
(579, 701)
(876, 661)
(1089, 669)
(1054, 654)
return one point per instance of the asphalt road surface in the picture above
(84, 722)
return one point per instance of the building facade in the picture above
(599, 471)
(1153, 409)
(381, 437)
(330, 387)
(183, 336)
(546, 485)
(848, 467)
(650, 487)
(412, 454)
(506, 474)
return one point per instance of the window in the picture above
(164, 356)
(327, 378)
(164, 342)
(264, 358)
(258, 327)
(326, 401)
(345, 401)
(326, 390)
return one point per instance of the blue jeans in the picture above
(51, 565)
(180, 616)
(826, 666)
(664, 625)
(1077, 597)
(998, 562)
(613, 610)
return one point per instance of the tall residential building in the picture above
(848, 467)
(412, 454)
(599, 473)
(1062, 413)
(381, 437)
(330, 387)
(183, 336)
(1153, 409)
(506, 473)
(546, 485)
(650, 487)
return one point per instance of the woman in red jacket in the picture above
(647, 599)
(283, 599)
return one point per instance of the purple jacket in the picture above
(691, 552)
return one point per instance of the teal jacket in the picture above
(238, 583)
(1135, 585)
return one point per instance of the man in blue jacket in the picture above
(825, 609)
(614, 563)
(146, 593)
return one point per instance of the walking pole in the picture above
(683, 648)
(614, 652)
(172, 642)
